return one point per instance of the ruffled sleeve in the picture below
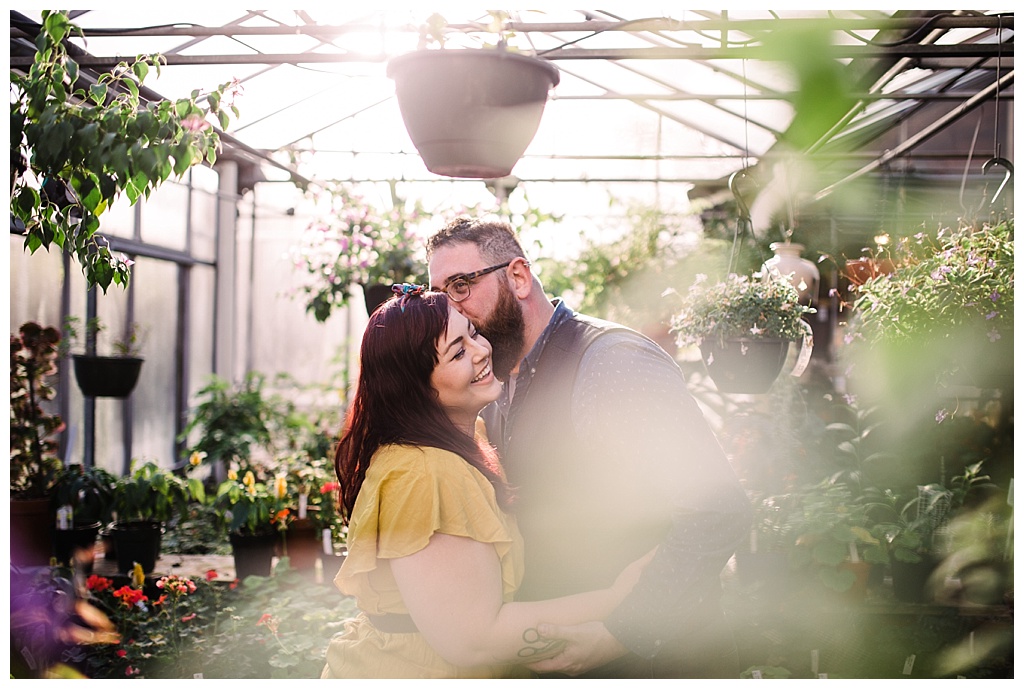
(409, 494)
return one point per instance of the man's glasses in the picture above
(457, 287)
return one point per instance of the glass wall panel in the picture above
(35, 285)
(153, 401)
(204, 224)
(165, 216)
(119, 219)
(200, 329)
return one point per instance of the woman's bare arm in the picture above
(453, 591)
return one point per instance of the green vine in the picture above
(76, 147)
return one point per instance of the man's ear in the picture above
(520, 278)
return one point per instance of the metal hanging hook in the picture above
(1007, 176)
(734, 179)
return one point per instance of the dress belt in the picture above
(393, 624)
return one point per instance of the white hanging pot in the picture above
(801, 273)
(471, 113)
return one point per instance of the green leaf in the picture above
(98, 93)
(141, 69)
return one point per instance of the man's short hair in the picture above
(496, 240)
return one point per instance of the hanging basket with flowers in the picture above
(359, 244)
(744, 327)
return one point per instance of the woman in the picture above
(434, 558)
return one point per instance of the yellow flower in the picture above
(196, 458)
(250, 479)
(138, 576)
(251, 490)
(232, 475)
(281, 487)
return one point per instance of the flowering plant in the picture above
(251, 507)
(358, 244)
(960, 279)
(765, 307)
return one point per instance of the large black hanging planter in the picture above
(106, 376)
(743, 365)
(471, 113)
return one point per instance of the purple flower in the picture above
(995, 295)
(941, 416)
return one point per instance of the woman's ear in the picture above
(520, 277)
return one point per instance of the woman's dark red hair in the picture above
(394, 401)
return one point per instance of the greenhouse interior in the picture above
(206, 204)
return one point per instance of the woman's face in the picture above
(463, 378)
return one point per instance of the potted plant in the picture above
(743, 327)
(831, 525)
(107, 375)
(143, 500)
(256, 516)
(359, 244)
(909, 532)
(942, 314)
(84, 498)
(35, 464)
(471, 112)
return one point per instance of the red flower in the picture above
(233, 584)
(266, 618)
(329, 487)
(98, 583)
(161, 599)
(188, 618)
(121, 653)
(211, 575)
(280, 516)
(130, 596)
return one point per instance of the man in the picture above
(609, 456)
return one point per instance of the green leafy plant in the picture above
(961, 278)
(250, 507)
(762, 307)
(234, 424)
(89, 491)
(149, 492)
(34, 461)
(76, 149)
(128, 346)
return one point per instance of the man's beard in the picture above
(506, 331)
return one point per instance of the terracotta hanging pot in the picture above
(471, 113)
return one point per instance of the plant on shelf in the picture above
(240, 424)
(256, 515)
(144, 500)
(944, 314)
(34, 461)
(831, 524)
(79, 143)
(735, 319)
(35, 464)
(359, 244)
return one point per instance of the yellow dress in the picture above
(409, 494)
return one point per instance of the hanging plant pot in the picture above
(375, 295)
(253, 553)
(106, 376)
(743, 365)
(471, 113)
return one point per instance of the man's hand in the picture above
(587, 646)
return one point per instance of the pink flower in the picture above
(188, 618)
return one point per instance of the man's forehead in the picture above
(449, 261)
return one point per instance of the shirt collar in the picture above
(561, 314)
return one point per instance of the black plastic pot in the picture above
(254, 554)
(106, 376)
(137, 542)
(79, 540)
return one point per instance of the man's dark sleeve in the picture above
(631, 398)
